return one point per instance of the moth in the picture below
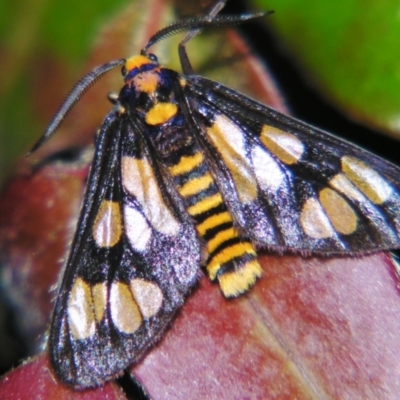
(188, 173)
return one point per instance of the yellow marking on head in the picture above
(221, 237)
(147, 81)
(366, 179)
(341, 215)
(99, 294)
(107, 227)
(139, 180)
(186, 164)
(314, 221)
(228, 254)
(125, 312)
(213, 221)
(161, 113)
(182, 81)
(136, 62)
(148, 296)
(80, 310)
(287, 147)
(196, 185)
(229, 140)
(237, 282)
(206, 204)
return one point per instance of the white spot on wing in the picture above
(125, 313)
(137, 229)
(268, 172)
(314, 221)
(286, 146)
(228, 139)
(147, 295)
(139, 180)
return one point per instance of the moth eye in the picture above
(153, 58)
(123, 71)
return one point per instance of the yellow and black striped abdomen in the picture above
(230, 257)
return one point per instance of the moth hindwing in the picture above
(189, 173)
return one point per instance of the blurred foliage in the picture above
(36, 35)
(349, 50)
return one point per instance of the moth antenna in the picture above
(194, 23)
(183, 57)
(74, 96)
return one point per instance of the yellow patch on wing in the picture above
(287, 147)
(196, 185)
(81, 319)
(161, 113)
(226, 255)
(339, 212)
(125, 312)
(213, 221)
(314, 221)
(99, 293)
(186, 164)
(206, 204)
(366, 179)
(107, 227)
(139, 180)
(237, 282)
(228, 139)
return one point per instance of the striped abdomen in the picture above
(230, 258)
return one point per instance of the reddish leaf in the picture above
(37, 210)
(311, 328)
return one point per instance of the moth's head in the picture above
(142, 72)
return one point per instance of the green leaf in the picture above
(40, 38)
(350, 50)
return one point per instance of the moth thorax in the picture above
(146, 82)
